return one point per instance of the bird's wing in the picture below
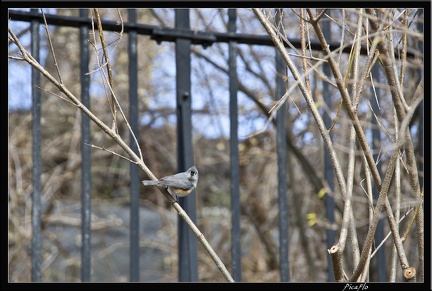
(176, 180)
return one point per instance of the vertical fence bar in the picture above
(85, 154)
(328, 168)
(133, 119)
(282, 165)
(36, 243)
(234, 155)
(188, 248)
(380, 258)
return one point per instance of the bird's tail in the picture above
(150, 183)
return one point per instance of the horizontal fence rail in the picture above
(160, 34)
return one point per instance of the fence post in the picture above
(328, 168)
(188, 248)
(134, 177)
(282, 165)
(36, 249)
(85, 154)
(234, 155)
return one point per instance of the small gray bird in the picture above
(180, 184)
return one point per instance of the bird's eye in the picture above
(193, 173)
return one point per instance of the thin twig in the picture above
(51, 47)
(394, 67)
(112, 152)
(370, 62)
(342, 37)
(110, 77)
(114, 100)
(369, 195)
(397, 178)
(61, 97)
(303, 49)
(389, 234)
(16, 58)
(404, 50)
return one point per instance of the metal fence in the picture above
(183, 38)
